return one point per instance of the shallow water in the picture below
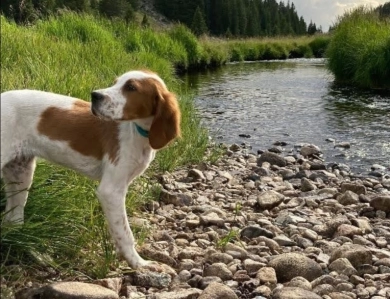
(296, 102)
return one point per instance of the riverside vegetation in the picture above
(359, 51)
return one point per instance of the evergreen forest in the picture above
(239, 18)
(227, 18)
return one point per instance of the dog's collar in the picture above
(141, 131)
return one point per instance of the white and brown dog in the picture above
(112, 140)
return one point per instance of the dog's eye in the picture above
(129, 87)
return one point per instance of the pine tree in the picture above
(312, 29)
(253, 27)
(114, 8)
(242, 18)
(198, 25)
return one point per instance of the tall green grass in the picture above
(359, 52)
(64, 224)
(253, 49)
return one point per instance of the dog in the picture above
(112, 139)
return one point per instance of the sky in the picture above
(325, 12)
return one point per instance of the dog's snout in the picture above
(96, 96)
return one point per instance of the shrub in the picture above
(318, 45)
(184, 36)
(359, 51)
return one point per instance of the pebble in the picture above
(280, 225)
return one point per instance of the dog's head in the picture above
(137, 95)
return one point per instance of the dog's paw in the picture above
(158, 267)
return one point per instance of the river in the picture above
(294, 101)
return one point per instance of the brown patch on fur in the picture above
(85, 133)
(148, 97)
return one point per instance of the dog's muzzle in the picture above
(96, 98)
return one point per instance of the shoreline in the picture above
(264, 226)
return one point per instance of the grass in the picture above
(359, 52)
(253, 49)
(65, 234)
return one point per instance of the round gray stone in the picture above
(77, 290)
(290, 265)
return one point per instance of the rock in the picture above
(177, 199)
(263, 291)
(343, 144)
(283, 240)
(252, 266)
(191, 293)
(241, 276)
(244, 135)
(240, 252)
(323, 289)
(307, 185)
(196, 174)
(272, 158)
(356, 254)
(206, 281)
(217, 291)
(332, 225)
(324, 279)
(348, 231)
(343, 266)
(76, 290)
(354, 187)
(220, 270)
(294, 293)
(253, 231)
(211, 219)
(269, 199)
(219, 257)
(309, 150)
(348, 198)
(150, 279)
(381, 202)
(363, 224)
(300, 282)
(159, 256)
(337, 295)
(114, 284)
(290, 265)
(267, 275)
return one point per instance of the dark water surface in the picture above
(294, 101)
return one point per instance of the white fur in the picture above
(113, 106)
(21, 143)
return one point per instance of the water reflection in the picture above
(294, 101)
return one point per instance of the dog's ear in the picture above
(166, 123)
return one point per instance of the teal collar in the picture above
(141, 131)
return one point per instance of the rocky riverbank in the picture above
(259, 226)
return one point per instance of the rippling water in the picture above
(294, 101)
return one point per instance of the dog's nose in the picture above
(96, 96)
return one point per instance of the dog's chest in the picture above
(134, 163)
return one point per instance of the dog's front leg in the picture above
(112, 200)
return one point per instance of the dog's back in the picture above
(20, 114)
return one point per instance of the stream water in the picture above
(294, 101)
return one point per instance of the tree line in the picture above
(28, 11)
(239, 18)
(384, 10)
(229, 18)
